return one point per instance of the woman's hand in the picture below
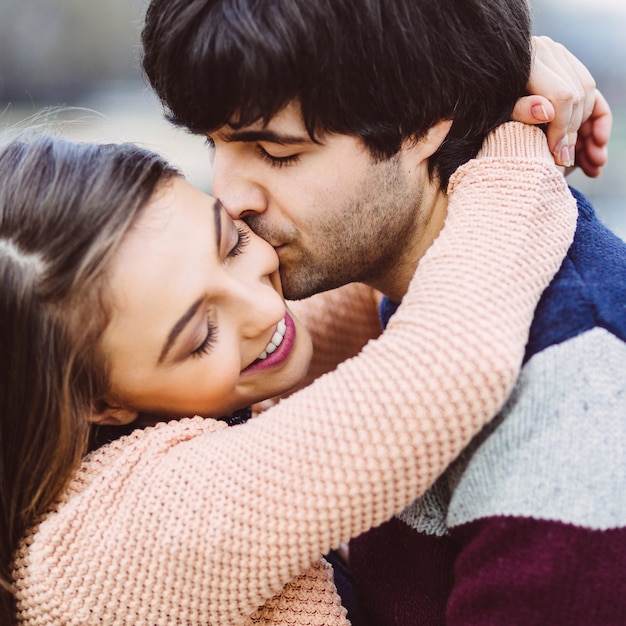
(565, 98)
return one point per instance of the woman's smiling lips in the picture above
(279, 347)
(275, 341)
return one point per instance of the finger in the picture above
(561, 77)
(588, 166)
(558, 91)
(584, 94)
(602, 119)
(533, 110)
(593, 138)
(591, 157)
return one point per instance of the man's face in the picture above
(333, 214)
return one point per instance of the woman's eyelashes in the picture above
(243, 239)
(208, 342)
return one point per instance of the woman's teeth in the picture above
(275, 341)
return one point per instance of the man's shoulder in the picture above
(556, 450)
(589, 290)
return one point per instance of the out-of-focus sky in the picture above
(614, 5)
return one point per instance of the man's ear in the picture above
(422, 149)
(432, 140)
(108, 413)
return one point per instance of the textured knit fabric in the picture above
(193, 522)
(528, 526)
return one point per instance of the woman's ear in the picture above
(107, 413)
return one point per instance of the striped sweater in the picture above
(528, 526)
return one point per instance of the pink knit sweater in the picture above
(191, 522)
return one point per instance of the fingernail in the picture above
(565, 158)
(572, 156)
(558, 147)
(539, 112)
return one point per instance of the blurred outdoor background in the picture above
(84, 54)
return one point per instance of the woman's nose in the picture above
(257, 285)
(259, 307)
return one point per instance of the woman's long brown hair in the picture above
(64, 208)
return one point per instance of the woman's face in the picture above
(199, 325)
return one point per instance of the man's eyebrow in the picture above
(192, 310)
(270, 136)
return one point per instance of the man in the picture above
(335, 126)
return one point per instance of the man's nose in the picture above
(236, 188)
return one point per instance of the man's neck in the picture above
(395, 282)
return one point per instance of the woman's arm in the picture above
(217, 523)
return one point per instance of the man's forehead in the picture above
(286, 127)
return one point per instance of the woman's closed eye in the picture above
(243, 239)
(208, 341)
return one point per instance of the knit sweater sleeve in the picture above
(340, 322)
(217, 523)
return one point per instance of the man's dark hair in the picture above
(380, 70)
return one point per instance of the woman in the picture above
(129, 297)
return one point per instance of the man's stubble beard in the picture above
(363, 240)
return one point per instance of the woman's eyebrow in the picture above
(217, 216)
(191, 311)
(178, 328)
